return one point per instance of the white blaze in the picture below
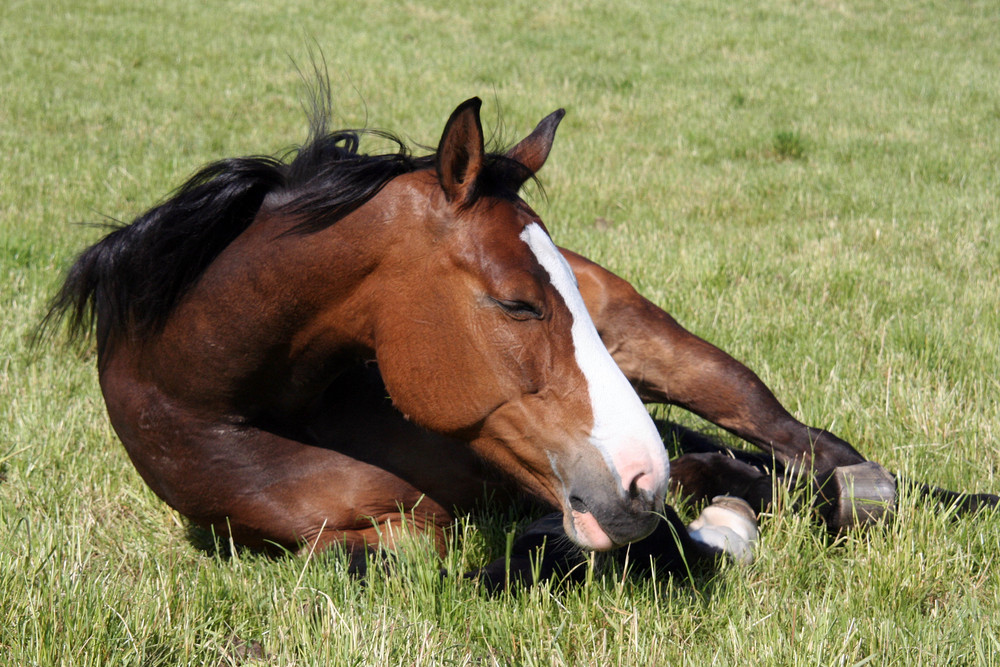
(623, 431)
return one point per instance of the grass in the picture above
(812, 186)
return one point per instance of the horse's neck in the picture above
(280, 314)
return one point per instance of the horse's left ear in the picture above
(460, 152)
(534, 149)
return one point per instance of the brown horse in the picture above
(306, 351)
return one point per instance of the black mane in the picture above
(130, 281)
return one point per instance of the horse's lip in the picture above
(584, 529)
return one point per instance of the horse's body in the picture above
(304, 352)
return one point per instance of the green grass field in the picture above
(811, 186)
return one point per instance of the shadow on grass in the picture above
(210, 543)
(207, 542)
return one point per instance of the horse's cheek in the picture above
(433, 392)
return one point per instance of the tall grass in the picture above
(813, 186)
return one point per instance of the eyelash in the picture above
(519, 310)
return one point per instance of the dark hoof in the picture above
(856, 496)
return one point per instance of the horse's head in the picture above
(486, 337)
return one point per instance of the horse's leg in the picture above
(701, 476)
(541, 553)
(371, 482)
(350, 471)
(850, 496)
(279, 491)
(667, 364)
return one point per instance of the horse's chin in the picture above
(585, 531)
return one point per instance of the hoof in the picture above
(727, 526)
(857, 495)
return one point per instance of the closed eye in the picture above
(519, 310)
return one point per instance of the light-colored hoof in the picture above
(727, 526)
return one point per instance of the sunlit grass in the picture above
(812, 186)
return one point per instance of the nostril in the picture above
(641, 498)
(633, 488)
(576, 502)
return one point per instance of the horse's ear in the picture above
(460, 152)
(534, 149)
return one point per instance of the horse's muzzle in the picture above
(604, 521)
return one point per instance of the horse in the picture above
(316, 349)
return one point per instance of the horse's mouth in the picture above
(583, 527)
